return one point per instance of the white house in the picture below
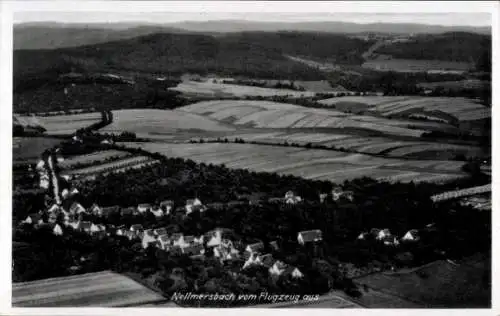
(411, 235)
(148, 237)
(323, 197)
(280, 268)
(226, 251)
(167, 206)
(291, 198)
(383, 234)
(33, 219)
(40, 165)
(157, 212)
(142, 208)
(308, 236)
(252, 260)
(57, 230)
(192, 205)
(254, 248)
(165, 242)
(54, 208)
(64, 193)
(76, 208)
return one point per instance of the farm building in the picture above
(411, 235)
(192, 205)
(101, 289)
(254, 248)
(33, 219)
(308, 236)
(291, 198)
(142, 208)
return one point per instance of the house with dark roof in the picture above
(191, 203)
(136, 228)
(255, 247)
(76, 208)
(292, 198)
(147, 238)
(110, 210)
(127, 211)
(193, 250)
(85, 227)
(309, 236)
(160, 231)
(167, 206)
(165, 241)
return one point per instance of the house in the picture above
(33, 219)
(323, 197)
(74, 191)
(95, 210)
(215, 206)
(214, 238)
(136, 228)
(177, 239)
(277, 268)
(120, 231)
(84, 227)
(157, 212)
(348, 195)
(65, 193)
(57, 230)
(160, 231)
(110, 210)
(192, 203)
(148, 237)
(193, 250)
(143, 208)
(254, 248)
(225, 251)
(54, 208)
(253, 259)
(275, 200)
(383, 234)
(411, 235)
(308, 236)
(267, 260)
(199, 240)
(363, 236)
(337, 193)
(97, 230)
(274, 245)
(53, 217)
(127, 211)
(165, 241)
(76, 208)
(291, 198)
(167, 206)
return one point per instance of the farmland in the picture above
(211, 89)
(94, 157)
(413, 65)
(148, 121)
(311, 164)
(361, 144)
(101, 289)
(112, 166)
(439, 284)
(29, 149)
(459, 108)
(262, 114)
(63, 124)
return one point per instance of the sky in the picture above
(436, 13)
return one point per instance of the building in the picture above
(76, 208)
(280, 268)
(148, 237)
(33, 219)
(98, 230)
(291, 198)
(165, 242)
(193, 250)
(225, 251)
(411, 235)
(309, 236)
(110, 210)
(143, 208)
(167, 206)
(160, 231)
(192, 205)
(157, 212)
(95, 210)
(127, 211)
(254, 248)
(323, 197)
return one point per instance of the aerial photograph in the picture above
(257, 160)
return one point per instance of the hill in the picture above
(324, 26)
(453, 46)
(51, 35)
(254, 54)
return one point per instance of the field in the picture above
(147, 122)
(456, 85)
(101, 289)
(311, 164)
(113, 166)
(362, 144)
(441, 284)
(262, 114)
(461, 109)
(210, 89)
(29, 149)
(92, 158)
(414, 65)
(63, 124)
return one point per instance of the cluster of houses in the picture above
(385, 235)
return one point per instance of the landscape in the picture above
(227, 163)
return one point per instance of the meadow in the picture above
(308, 163)
(461, 109)
(29, 149)
(112, 166)
(211, 89)
(94, 157)
(144, 122)
(414, 65)
(264, 114)
(65, 124)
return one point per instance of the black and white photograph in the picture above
(211, 155)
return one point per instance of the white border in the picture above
(6, 10)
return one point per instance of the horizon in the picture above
(478, 20)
